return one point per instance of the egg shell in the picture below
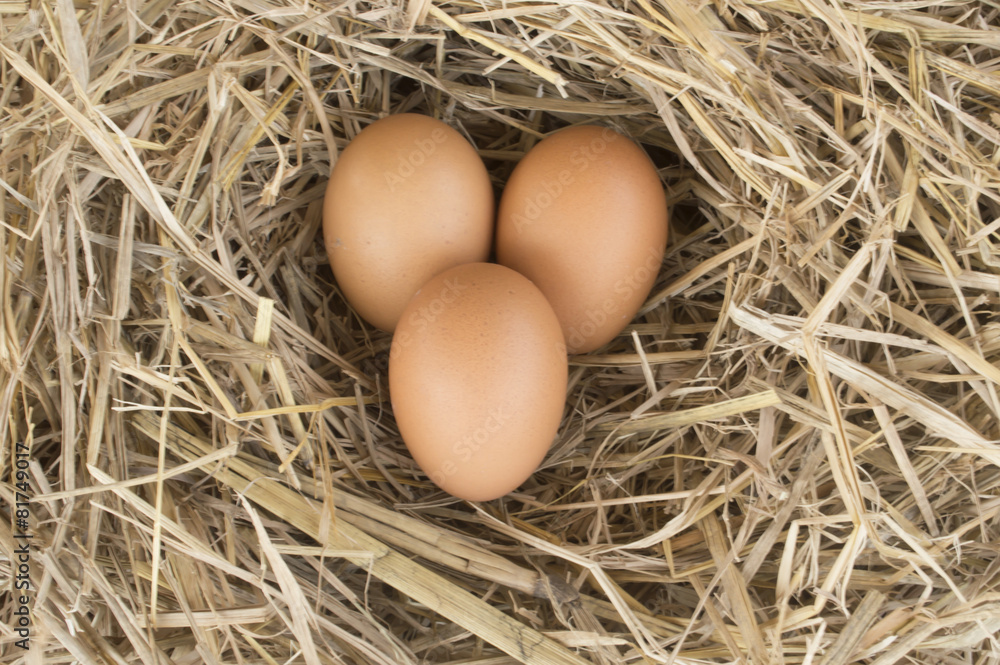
(408, 198)
(477, 378)
(584, 217)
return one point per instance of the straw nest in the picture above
(789, 457)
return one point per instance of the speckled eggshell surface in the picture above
(584, 217)
(408, 198)
(477, 378)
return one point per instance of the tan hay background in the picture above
(790, 457)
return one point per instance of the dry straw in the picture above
(791, 456)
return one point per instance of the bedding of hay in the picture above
(789, 457)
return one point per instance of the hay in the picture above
(791, 456)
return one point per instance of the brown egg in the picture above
(477, 376)
(408, 198)
(584, 217)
